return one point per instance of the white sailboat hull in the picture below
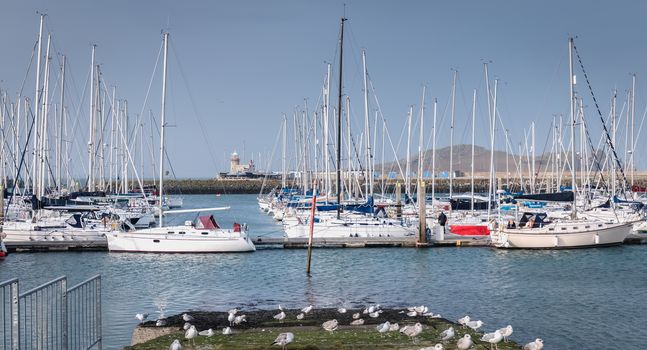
(563, 236)
(156, 241)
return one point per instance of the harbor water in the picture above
(572, 299)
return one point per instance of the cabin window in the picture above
(205, 233)
(575, 227)
(599, 225)
(181, 232)
(551, 229)
(563, 228)
(156, 240)
(587, 226)
(170, 232)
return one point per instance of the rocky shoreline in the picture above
(261, 328)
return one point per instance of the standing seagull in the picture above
(462, 321)
(464, 343)
(384, 327)
(475, 325)
(231, 318)
(141, 317)
(538, 344)
(227, 331)
(307, 309)
(187, 318)
(191, 333)
(412, 331)
(493, 338)
(506, 332)
(175, 345)
(280, 316)
(284, 339)
(330, 326)
(447, 334)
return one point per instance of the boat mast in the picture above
(407, 175)
(92, 108)
(633, 125)
(493, 134)
(472, 164)
(572, 111)
(433, 155)
(339, 108)
(326, 137)
(59, 140)
(162, 128)
(421, 157)
(368, 180)
(283, 159)
(451, 137)
(37, 106)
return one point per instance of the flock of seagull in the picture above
(412, 331)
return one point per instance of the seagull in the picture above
(506, 332)
(433, 315)
(301, 316)
(435, 347)
(475, 325)
(357, 322)
(493, 338)
(356, 316)
(191, 333)
(227, 331)
(187, 325)
(464, 343)
(231, 318)
(412, 314)
(280, 307)
(447, 334)
(341, 310)
(538, 344)
(284, 339)
(280, 316)
(330, 326)
(233, 311)
(307, 309)
(208, 333)
(240, 319)
(175, 345)
(411, 331)
(161, 322)
(375, 314)
(187, 318)
(464, 320)
(384, 327)
(394, 327)
(141, 317)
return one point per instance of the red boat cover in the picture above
(469, 230)
(636, 188)
(207, 222)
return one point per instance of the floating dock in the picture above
(284, 243)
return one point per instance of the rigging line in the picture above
(31, 61)
(604, 125)
(193, 105)
(22, 158)
(148, 90)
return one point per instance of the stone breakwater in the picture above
(254, 186)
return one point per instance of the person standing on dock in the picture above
(442, 220)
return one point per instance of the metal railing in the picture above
(51, 316)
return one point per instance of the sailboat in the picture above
(203, 235)
(537, 231)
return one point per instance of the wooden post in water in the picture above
(422, 213)
(312, 224)
(398, 200)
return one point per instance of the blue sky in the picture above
(237, 66)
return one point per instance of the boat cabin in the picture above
(533, 220)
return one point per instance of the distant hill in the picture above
(462, 160)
